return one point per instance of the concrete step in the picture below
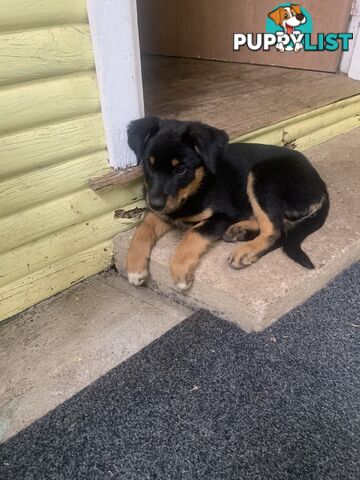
(257, 296)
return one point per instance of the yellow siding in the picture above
(18, 62)
(32, 224)
(25, 14)
(42, 284)
(49, 144)
(32, 257)
(54, 231)
(39, 186)
(29, 104)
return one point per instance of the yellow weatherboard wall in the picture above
(54, 231)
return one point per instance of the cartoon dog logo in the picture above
(288, 18)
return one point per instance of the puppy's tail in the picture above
(302, 228)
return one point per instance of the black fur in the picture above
(286, 184)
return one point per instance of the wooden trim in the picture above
(311, 128)
(115, 177)
(114, 32)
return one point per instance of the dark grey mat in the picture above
(207, 401)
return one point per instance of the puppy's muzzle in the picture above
(157, 203)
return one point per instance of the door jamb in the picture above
(115, 38)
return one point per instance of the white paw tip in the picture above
(137, 278)
(183, 286)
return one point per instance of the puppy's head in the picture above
(288, 17)
(176, 157)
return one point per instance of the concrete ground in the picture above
(257, 296)
(60, 346)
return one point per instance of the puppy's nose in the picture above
(157, 203)
(300, 16)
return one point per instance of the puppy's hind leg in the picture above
(269, 216)
(237, 231)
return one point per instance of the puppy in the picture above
(288, 18)
(195, 180)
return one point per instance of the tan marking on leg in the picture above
(251, 251)
(173, 203)
(238, 231)
(199, 217)
(188, 222)
(152, 160)
(145, 237)
(187, 257)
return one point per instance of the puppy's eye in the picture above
(181, 171)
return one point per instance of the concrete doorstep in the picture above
(257, 296)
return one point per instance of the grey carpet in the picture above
(207, 401)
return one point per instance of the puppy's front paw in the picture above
(137, 278)
(137, 266)
(241, 258)
(182, 272)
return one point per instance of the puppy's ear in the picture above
(296, 8)
(139, 132)
(277, 15)
(209, 142)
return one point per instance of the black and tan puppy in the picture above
(195, 180)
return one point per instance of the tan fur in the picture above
(184, 193)
(290, 224)
(193, 187)
(316, 206)
(175, 162)
(152, 160)
(199, 217)
(278, 15)
(187, 222)
(251, 251)
(187, 256)
(296, 9)
(146, 235)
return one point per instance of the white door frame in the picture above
(115, 37)
(350, 62)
